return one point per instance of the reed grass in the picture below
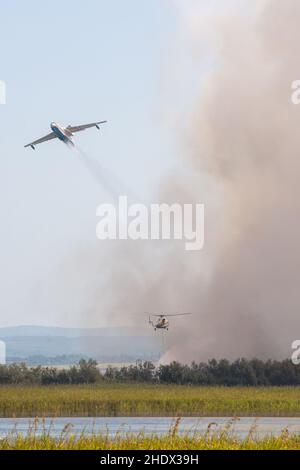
(147, 400)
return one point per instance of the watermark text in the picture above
(2, 92)
(157, 222)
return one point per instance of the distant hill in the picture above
(36, 330)
(28, 343)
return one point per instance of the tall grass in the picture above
(147, 400)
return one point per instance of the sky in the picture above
(76, 62)
(196, 95)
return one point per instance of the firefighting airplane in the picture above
(64, 134)
(162, 323)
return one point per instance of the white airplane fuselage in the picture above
(62, 133)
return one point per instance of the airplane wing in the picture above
(42, 139)
(85, 126)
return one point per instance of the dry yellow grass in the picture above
(148, 400)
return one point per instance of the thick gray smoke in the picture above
(244, 132)
(241, 144)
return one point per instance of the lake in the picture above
(241, 427)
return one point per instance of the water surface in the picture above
(56, 426)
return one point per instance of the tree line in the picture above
(242, 372)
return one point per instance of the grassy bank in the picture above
(155, 443)
(147, 400)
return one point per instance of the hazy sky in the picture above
(196, 94)
(76, 62)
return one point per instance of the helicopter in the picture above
(162, 323)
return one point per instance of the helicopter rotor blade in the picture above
(177, 314)
(168, 315)
(154, 315)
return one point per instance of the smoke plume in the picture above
(239, 145)
(243, 133)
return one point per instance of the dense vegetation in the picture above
(242, 372)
